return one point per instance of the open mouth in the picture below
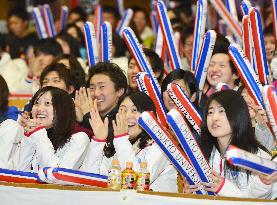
(41, 116)
(131, 124)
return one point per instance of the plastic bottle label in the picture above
(143, 182)
(128, 180)
(114, 179)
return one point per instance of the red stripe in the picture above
(246, 39)
(155, 99)
(186, 105)
(257, 48)
(169, 137)
(79, 180)
(272, 101)
(17, 179)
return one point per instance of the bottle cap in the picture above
(143, 164)
(129, 164)
(115, 162)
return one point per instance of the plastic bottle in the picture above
(143, 178)
(274, 151)
(114, 175)
(128, 177)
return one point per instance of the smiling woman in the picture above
(132, 144)
(52, 136)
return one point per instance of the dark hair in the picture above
(80, 35)
(187, 77)
(64, 115)
(77, 73)
(113, 71)
(237, 113)
(111, 10)
(78, 10)
(268, 30)
(119, 45)
(143, 103)
(155, 61)
(72, 43)
(4, 95)
(62, 71)
(48, 46)
(186, 32)
(20, 13)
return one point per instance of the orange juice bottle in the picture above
(128, 177)
(143, 178)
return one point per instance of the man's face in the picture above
(103, 91)
(44, 60)
(187, 49)
(132, 72)
(17, 26)
(219, 71)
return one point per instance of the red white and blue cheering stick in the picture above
(64, 16)
(140, 58)
(249, 161)
(167, 31)
(204, 58)
(274, 18)
(245, 7)
(246, 73)
(270, 100)
(91, 44)
(140, 82)
(8, 175)
(98, 20)
(41, 30)
(73, 177)
(146, 84)
(259, 46)
(106, 42)
(125, 21)
(199, 31)
(190, 146)
(171, 149)
(48, 21)
(185, 105)
(227, 17)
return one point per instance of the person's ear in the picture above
(120, 92)
(71, 89)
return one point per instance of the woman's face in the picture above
(168, 102)
(43, 110)
(132, 116)
(217, 122)
(250, 103)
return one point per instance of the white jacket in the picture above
(37, 151)
(10, 136)
(163, 176)
(251, 188)
(15, 74)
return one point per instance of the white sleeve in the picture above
(10, 135)
(163, 176)
(71, 151)
(255, 188)
(94, 157)
(124, 150)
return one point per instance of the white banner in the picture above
(14, 194)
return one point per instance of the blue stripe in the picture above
(105, 45)
(38, 25)
(19, 173)
(89, 44)
(252, 165)
(71, 171)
